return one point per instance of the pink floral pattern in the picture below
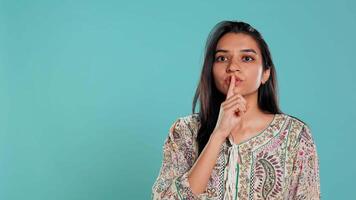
(281, 162)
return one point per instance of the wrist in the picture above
(217, 136)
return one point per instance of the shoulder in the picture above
(187, 123)
(297, 120)
(181, 136)
(191, 118)
(293, 122)
(299, 131)
(184, 128)
(302, 124)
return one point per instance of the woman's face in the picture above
(238, 55)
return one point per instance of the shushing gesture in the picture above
(230, 112)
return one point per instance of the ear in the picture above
(265, 75)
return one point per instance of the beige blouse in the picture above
(281, 162)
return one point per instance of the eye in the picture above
(218, 60)
(250, 58)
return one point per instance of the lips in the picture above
(237, 81)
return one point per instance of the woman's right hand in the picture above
(230, 112)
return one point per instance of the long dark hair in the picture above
(210, 97)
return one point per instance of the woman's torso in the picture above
(267, 162)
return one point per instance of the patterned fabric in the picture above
(281, 162)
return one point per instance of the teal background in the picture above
(88, 89)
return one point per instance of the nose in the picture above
(232, 67)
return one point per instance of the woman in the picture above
(240, 145)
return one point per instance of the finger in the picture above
(234, 101)
(234, 96)
(230, 91)
(236, 105)
(242, 98)
(243, 108)
(240, 110)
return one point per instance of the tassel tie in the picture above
(231, 173)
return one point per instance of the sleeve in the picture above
(305, 176)
(172, 181)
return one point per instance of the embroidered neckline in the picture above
(261, 133)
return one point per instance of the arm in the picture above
(172, 181)
(201, 171)
(306, 181)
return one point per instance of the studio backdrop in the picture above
(88, 89)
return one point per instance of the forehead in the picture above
(236, 42)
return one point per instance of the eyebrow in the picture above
(242, 50)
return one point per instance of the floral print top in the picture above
(281, 162)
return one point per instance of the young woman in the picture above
(240, 145)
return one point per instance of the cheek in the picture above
(253, 78)
(217, 72)
(218, 75)
(255, 74)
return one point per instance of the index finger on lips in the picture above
(230, 91)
